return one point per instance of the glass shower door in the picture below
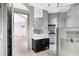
(68, 41)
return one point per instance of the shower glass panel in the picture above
(68, 32)
(68, 41)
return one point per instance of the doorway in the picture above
(20, 34)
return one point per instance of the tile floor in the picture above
(20, 49)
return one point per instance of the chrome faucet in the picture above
(71, 40)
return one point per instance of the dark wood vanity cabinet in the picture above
(40, 44)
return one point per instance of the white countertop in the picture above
(40, 36)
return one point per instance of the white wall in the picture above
(41, 22)
(73, 17)
(69, 18)
(52, 18)
(1, 33)
(61, 19)
(5, 29)
(31, 24)
(19, 30)
(45, 22)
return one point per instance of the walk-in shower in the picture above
(68, 41)
(68, 32)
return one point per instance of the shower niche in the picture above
(72, 36)
(68, 41)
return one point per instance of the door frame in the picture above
(20, 11)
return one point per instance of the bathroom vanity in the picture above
(40, 43)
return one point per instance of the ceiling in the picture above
(53, 7)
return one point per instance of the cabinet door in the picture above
(45, 43)
(38, 44)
